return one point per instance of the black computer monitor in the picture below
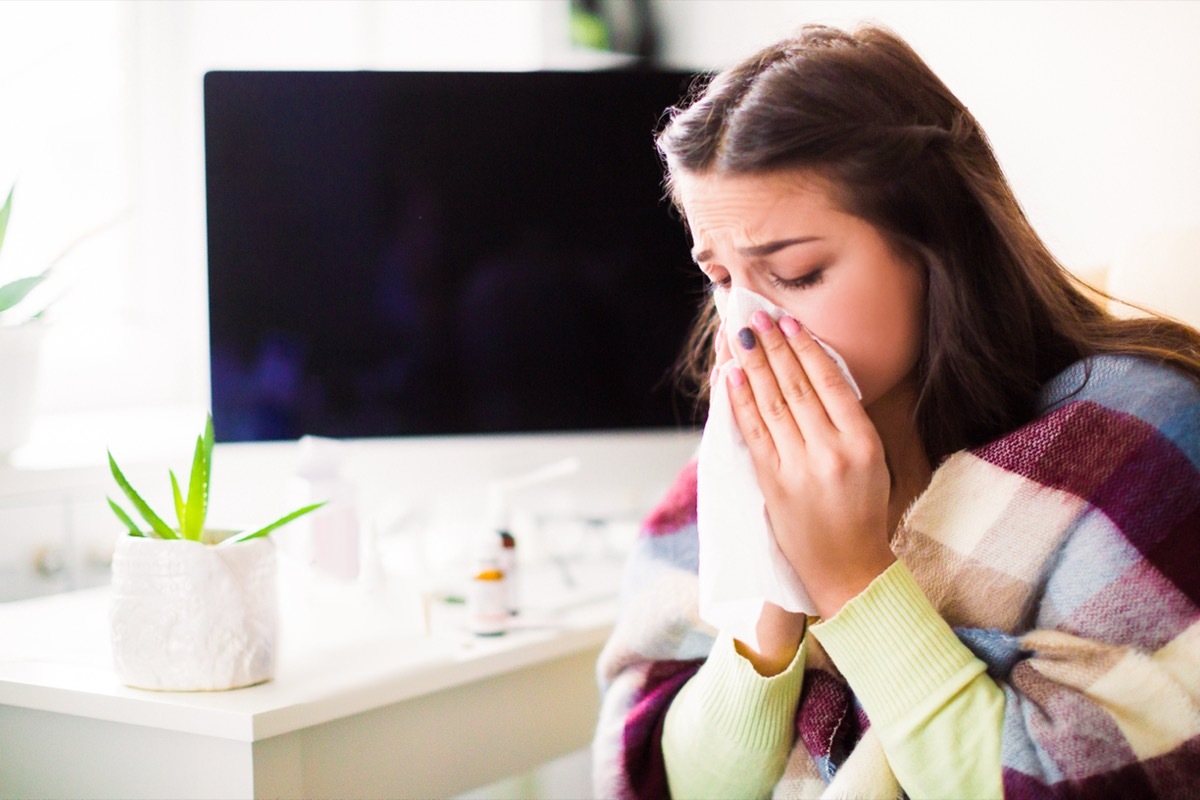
(420, 253)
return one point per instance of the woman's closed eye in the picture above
(715, 284)
(805, 281)
(721, 279)
(718, 278)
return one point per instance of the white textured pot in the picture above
(187, 616)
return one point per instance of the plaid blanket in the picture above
(1066, 555)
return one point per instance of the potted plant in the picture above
(20, 347)
(23, 303)
(193, 608)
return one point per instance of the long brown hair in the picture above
(864, 112)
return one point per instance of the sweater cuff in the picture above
(892, 646)
(727, 685)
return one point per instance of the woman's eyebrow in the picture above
(769, 248)
(758, 250)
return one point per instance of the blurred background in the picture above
(1092, 108)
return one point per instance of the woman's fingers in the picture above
(760, 349)
(743, 399)
(722, 344)
(794, 389)
(758, 438)
(721, 353)
(839, 403)
(789, 391)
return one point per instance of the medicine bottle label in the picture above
(487, 603)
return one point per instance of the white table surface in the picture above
(343, 652)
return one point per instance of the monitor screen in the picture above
(418, 253)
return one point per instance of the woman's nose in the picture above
(741, 279)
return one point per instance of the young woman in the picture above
(1001, 538)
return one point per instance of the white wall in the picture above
(1093, 107)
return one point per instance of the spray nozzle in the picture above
(319, 458)
(499, 491)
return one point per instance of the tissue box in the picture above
(187, 616)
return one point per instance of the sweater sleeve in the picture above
(729, 731)
(939, 715)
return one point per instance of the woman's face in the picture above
(782, 236)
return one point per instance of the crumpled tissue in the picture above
(741, 564)
(187, 616)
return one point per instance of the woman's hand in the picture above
(779, 632)
(818, 459)
(779, 635)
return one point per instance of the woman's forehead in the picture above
(746, 208)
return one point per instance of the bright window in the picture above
(101, 127)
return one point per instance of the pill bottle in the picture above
(487, 599)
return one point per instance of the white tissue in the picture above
(741, 565)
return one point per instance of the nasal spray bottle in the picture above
(495, 586)
(328, 539)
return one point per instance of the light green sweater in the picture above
(729, 731)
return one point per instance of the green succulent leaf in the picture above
(14, 292)
(4, 212)
(156, 524)
(266, 529)
(180, 506)
(197, 500)
(121, 515)
(208, 439)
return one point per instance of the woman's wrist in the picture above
(779, 633)
(840, 587)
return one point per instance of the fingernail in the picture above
(746, 338)
(789, 326)
(737, 378)
(761, 321)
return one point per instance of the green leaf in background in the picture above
(263, 531)
(14, 292)
(197, 500)
(178, 496)
(121, 515)
(4, 212)
(161, 528)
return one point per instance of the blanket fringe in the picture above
(865, 775)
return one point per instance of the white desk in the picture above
(363, 704)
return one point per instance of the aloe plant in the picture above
(14, 292)
(190, 512)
